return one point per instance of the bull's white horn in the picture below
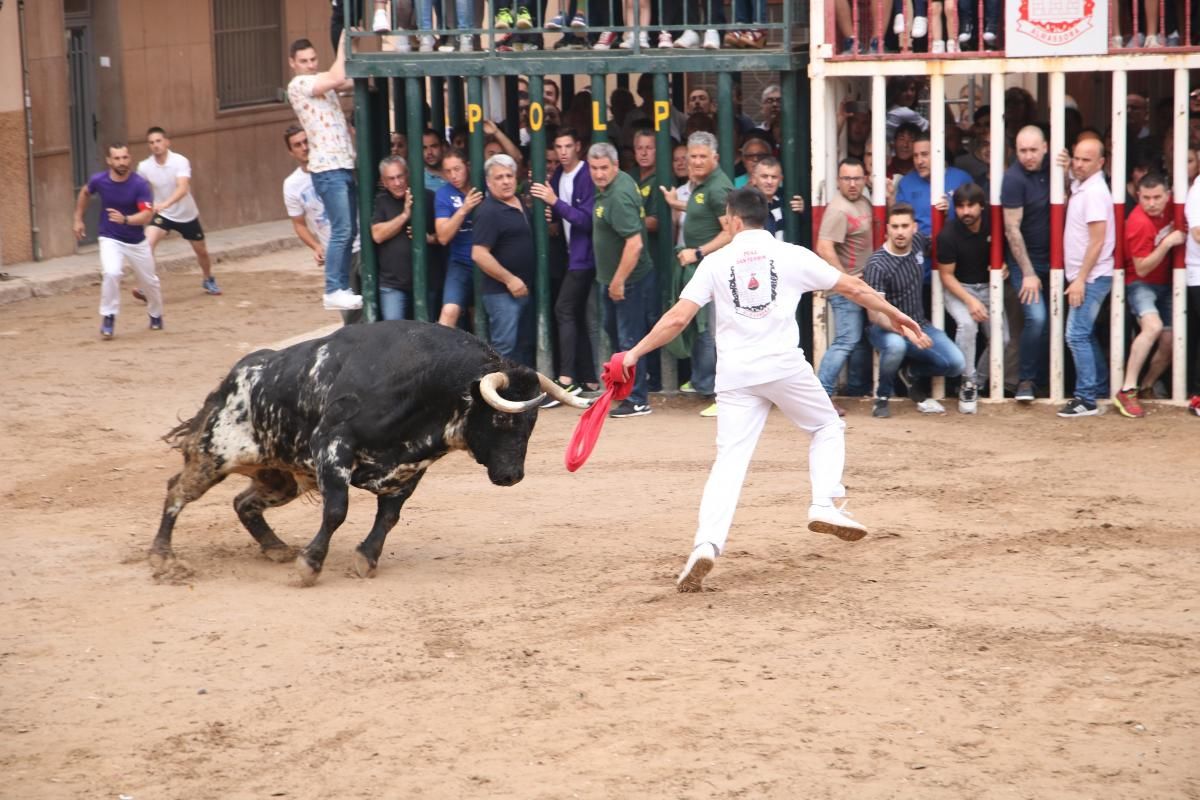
(490, 386)
(560, 394)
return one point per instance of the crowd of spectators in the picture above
(598, 247)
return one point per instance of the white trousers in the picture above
(113, 255)
(741, 415)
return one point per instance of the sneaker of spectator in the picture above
(938, 47)
(880, 408)
(1152, 40)
(687, 388)
(931, 406)
(754, 39)
(605, 41)
(665, 39)
(579, 22)
(466, 43)
(920, 27)
(571, 42)
(968, 398)
(898, 26)
(504, 43)
(835, 520)
(688, 40)
(1128, 404)
(381, 23)
(1026, 392)
(524, 19)
(210, 285)
(698, 565)
(1194, 405)
(709, 411)
(107, 324)
(1174, 39)
(733, 38)
(712, 40)
(1078, 407)
(627, 41)
(426, 43)
(629, 409)
(156, 323)
(504, 19)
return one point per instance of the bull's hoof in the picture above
(363, 566)
(160, 557)
(280, 554)
(307, 572)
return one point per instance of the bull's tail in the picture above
(178, 436)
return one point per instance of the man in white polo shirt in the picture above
(1088, 242)
(170, 176)
(755, 284)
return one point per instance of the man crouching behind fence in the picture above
(755, 284)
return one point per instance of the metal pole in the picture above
(821, 90)
(878, 157)
(1179, 294)
(1057, 221)
(599, 110)
(454, 102)
(541, 237)
(797, 98)
(1116, 298)
(996, 273)
(665, 176)
(416, 184)
(368, 266)
(937, 188)
(437, 106)
(475, 145)
(725, 140)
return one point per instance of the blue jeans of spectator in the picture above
(704, 357)
(942, 358)
(511, 326)
(393, 303)
(1035, 333)
(750, 11)
(920, 9)
(626, 325)
(848, 343)
(462, 13)
(968, 12)
(335, 187)
(1091, 371)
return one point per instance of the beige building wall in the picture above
(15, 230)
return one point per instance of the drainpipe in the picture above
(33, 225)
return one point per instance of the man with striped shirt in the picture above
(897, 271)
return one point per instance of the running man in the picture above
(755, 284)
(170, 176)
(128, 205)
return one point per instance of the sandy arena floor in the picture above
(1023, 620)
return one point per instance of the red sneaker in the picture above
(1194, 405)
(1128, 404)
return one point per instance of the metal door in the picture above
(85, 159)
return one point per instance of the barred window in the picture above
(248, 43)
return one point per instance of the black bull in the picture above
(370, 406)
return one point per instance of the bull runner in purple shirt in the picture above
(128, 205)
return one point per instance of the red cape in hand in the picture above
(587, 431)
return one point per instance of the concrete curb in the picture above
(48, 278)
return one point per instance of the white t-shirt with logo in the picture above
(164, 179)
(755, 284)
(300, 198)
(1191, 212)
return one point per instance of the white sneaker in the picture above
(400, 44)
(712, 40)
(465, 43)
(382, 23)
(930, 406)
(1153, 41)
(920, 27)
(605, 41)
(698, 565)
(427, 44)
(952, 46)
(665, 40)
(342, 300)
(968, 397)
(644, 40)
(898, 24)
(937, 47)
(688, 40)
(836, 520)
(626, 41)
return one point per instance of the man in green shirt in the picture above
(623, 267)
(704, 232)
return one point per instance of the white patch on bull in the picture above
(331, 458)
(403, 472)
(322, 354)
(454, 434)
(233, 428)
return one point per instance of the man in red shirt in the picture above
(1149, 238)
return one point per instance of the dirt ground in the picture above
(1023, 620)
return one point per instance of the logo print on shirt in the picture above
(750, 297)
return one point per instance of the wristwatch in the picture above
(699, 254)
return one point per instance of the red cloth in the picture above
(587, 431)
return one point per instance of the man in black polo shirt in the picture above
(897, 271)
(502, 246)
(963, 255)
(391, 230)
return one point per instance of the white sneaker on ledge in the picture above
(382, 23)
(688, 40)
(920, 27)
(930, 406)
(712, 40)
(835, 520)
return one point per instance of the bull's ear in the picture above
(475, 395)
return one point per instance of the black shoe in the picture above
(629, 409)
(1078, 407)
(1026, 391)
(881, 409)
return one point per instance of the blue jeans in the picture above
(511, 326)
(943, 358)
(1035, 333)
(336, 190)
(750, 11)
(462, 9)
(625, 323)
(1091, 369)
(848, 343)
(704, 357)
(393, 303)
